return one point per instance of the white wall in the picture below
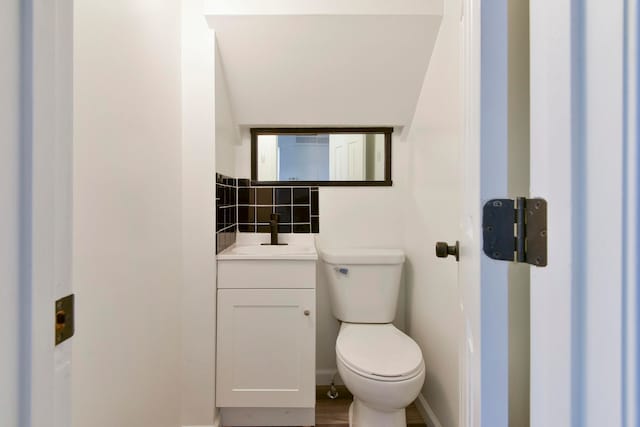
(10, 208)
(227, 134)
(358, 217)
(432, 214)
(127, 214)
(198, 217)
(350, 217)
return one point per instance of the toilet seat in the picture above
(379, 352)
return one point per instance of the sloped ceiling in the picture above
(363, 65)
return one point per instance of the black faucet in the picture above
(273, 225)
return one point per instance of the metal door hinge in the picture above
(516, 230)
(64, 319)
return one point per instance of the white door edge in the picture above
(47, 139)
(483, 283)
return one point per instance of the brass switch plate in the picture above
(63, 320)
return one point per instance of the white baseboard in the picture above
(216, 422)
(427, 413)
(324, 377)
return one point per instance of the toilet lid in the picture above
(379, 350)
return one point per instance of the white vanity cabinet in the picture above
(265, 364)
(266, 347)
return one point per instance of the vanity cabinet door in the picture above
(266, 348)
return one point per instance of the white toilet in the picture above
(379, 364)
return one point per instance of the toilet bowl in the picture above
(383, 369)
(379, 364)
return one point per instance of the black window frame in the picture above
(387, 131)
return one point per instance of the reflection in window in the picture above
(321, 157)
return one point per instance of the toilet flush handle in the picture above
(342, 270)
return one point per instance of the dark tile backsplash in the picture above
(247, 209)
(227, 211)
(298, 208)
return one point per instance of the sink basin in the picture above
(264, 252)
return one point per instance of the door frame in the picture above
(584, 161)
(46, 241)
(46, 191)
(631, 218)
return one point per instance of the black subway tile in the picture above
(284, 228)
(301, 214)
(246, 214)
(285, 213)
(283, 196)
(246, 196)
(315, 203)
(263, 213)
(247, 228)
(301, 196)
(264, 196)
(220, 219)
(301, 228)
(228, 196)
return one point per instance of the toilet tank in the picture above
(363, 283)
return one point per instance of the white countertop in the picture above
(248, 246)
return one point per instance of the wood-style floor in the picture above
(335, 412)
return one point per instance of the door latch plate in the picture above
(64, 319)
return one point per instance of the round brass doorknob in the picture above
(443, 250)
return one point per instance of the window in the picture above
(321, 156)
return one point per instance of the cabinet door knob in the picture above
(307, 312)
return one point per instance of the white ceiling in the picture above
(328, 66)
